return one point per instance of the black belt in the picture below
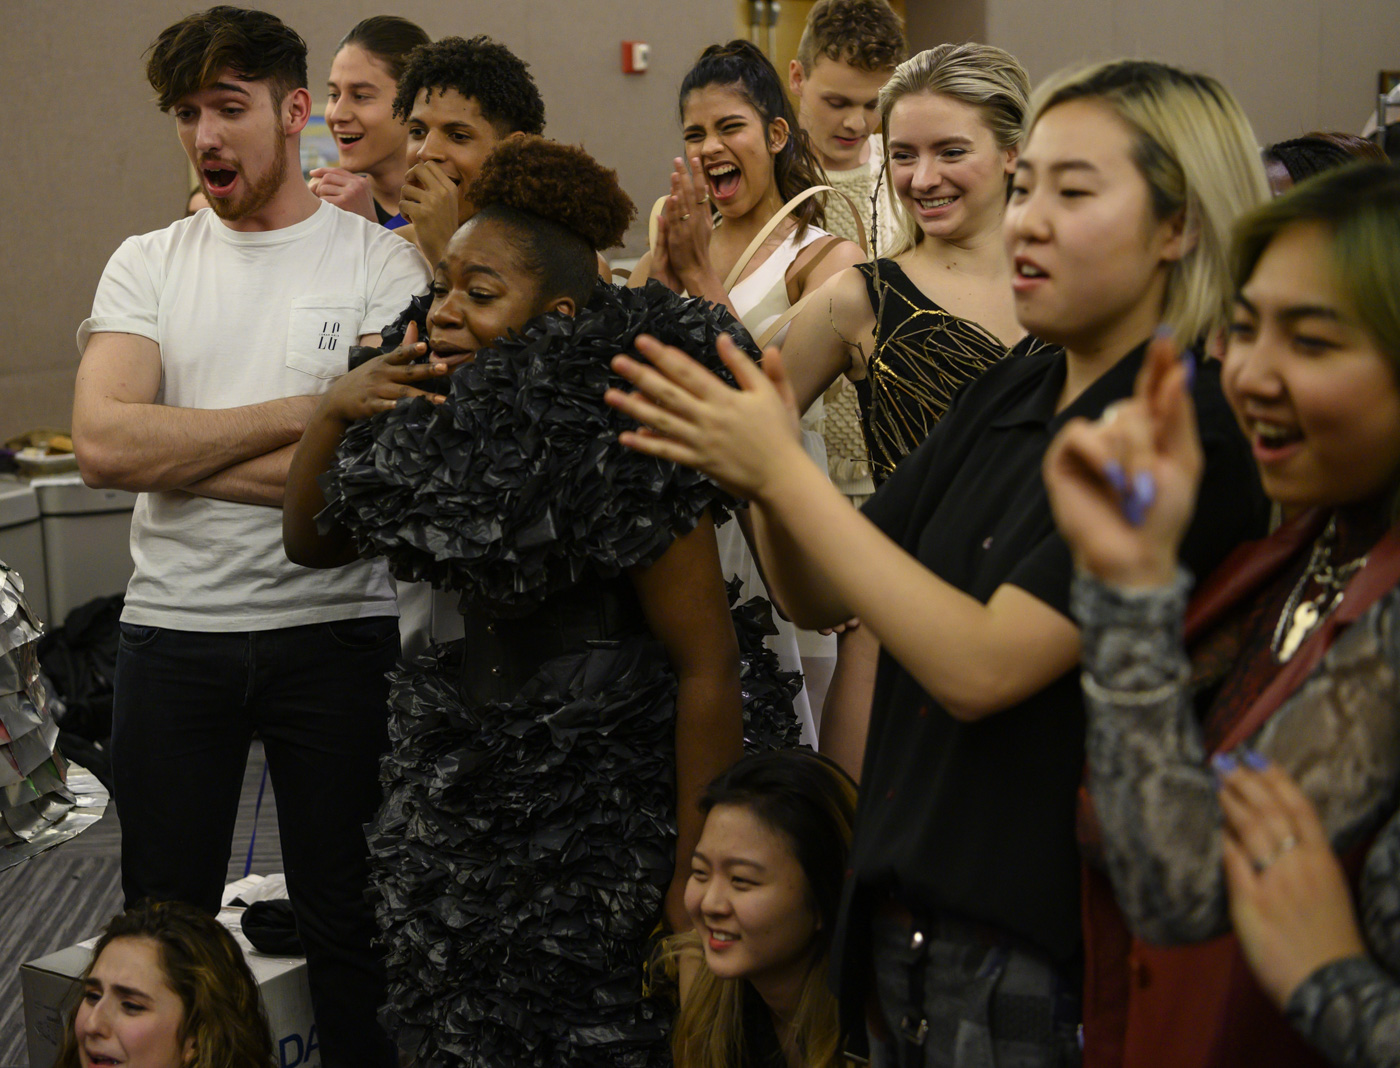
(501, 655)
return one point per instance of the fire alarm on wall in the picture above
(635, 57)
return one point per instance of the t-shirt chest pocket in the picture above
(320, 331)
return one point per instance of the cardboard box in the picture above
(50, 987)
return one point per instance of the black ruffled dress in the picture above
(527, 836)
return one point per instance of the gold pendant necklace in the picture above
(1300, 618)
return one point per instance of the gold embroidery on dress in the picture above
(914, 370)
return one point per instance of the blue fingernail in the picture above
(1164, 332)
(1145, 488)
(1188, 358)
(1223, 763)
(1134, 511)
(1113, 471)
(1139, 497)
(1253, 760)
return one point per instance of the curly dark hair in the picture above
(560, 205)
(207, 971)
(740, 66)
(867, 34)
(255, 45)
(481, 70)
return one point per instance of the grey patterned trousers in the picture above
(953, 997)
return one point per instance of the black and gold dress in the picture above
(921, 357)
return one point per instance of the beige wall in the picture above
(931, 22)
(1296, 65)
(88, 159)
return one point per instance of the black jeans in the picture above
(187, 704)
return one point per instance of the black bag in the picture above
(272, 928)
(80, 658)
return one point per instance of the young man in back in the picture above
(208, 344)
(848, 50)
(460, 98)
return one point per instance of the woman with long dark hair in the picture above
(747, 158)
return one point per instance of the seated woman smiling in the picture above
(765, 882)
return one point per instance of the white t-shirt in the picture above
(242, 318)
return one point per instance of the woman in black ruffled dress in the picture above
(524, 851)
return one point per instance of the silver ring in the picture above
(685, 216)
(1289, 843)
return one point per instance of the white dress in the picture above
(761, 298)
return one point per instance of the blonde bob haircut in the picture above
(1200, 159)
(981, 76)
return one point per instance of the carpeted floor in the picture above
(67, 894)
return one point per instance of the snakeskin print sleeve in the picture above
(1338, 735)
(1153, 791)
(1350, 1009)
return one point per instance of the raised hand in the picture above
(1123, 487)
(742, 438)
(345, 189)
(379, 384)
(687, 226)
(661, 261)
(429, 200)
(1289, 898)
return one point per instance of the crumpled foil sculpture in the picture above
(44, 800)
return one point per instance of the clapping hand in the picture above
(685, 227)
(345, 189)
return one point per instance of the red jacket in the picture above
(1198, 1006)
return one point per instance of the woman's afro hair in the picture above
(562, 184)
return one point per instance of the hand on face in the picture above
(431, 201)
(1123, 488)
(1289, 898)
(742, 438)
(379, 384)
(346, 190)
